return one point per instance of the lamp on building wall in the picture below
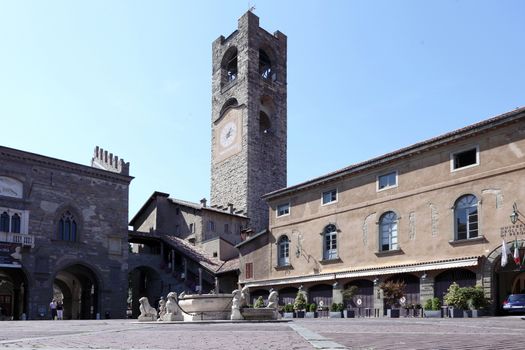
(299, 249)
(515, 214)
(376, 281)
(424, 276)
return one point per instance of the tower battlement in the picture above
(102, 159)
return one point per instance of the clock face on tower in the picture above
(228, 135)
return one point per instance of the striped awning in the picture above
(371, 272)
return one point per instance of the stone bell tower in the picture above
(248, 123)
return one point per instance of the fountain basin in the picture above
(206, 306)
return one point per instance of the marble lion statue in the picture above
(147, 312)
(162, 308)
(236, 305)
(245, 296)
(272, 299)
(173, 311)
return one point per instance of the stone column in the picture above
(172, 261)
(337, 296)
(378, 298)
(216, 285)
(200, 280)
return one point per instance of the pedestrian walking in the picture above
(53, 307)
(60, 310)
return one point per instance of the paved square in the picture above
(382, 333)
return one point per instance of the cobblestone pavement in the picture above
(381, 333)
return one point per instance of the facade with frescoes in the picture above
(429, 214)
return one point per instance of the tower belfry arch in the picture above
(248, 137)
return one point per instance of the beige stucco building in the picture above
(428, 214)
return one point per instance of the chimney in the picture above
(203, 203)
(230, 208)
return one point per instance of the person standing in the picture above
(53, 307)
(60, 310)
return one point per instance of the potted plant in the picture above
(348, 295)
(432, 308)
(335, 312)
(417, 310)
(288, 311)
(299, 304)
(476, 301)
(259, 303)
(392, 292)
(456, 299)
(312, 308)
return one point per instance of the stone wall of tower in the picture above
(260, 167)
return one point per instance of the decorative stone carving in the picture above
(434, 217)
(272, 299)
(236, 305)
(245, 296)
(172, 309)
(147, 312)
(10, 187)
(412, 226)
(497, 193)
(162, 308)
(365, 228)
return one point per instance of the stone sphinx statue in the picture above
(147, 312)
(236, 305)
(173, 311)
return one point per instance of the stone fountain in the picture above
(205, 307)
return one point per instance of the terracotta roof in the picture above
(200, 207)
(417, 148)
(200, 256)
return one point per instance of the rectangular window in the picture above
(249, 270)
(465, 158)
(329, 197)
(211, 226)
(387, 180)
(283, 209)
(192, 228)
(226, 228)
(330, 245)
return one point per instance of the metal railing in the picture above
(18, 238)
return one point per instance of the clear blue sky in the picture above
(364, 78)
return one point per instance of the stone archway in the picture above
(13, 293)
(499, 281)
(78, 288)
(143, 282)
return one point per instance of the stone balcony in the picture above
(19, 238)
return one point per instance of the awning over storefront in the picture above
(372, 271)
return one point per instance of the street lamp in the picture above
(514, 216)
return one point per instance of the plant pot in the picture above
(299, 314)
(349, 313)
(309, 315)
(335, 314)
(392, 313)
(288, 315)
(456, 313)
(433, 313)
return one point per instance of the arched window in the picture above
(330, 242)
(67, 227)
(265, 65)
(229, 65)
(4, 222)
(388, 231)
(15, 223)
(264, 123)
(284, 251)
(466, 217)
